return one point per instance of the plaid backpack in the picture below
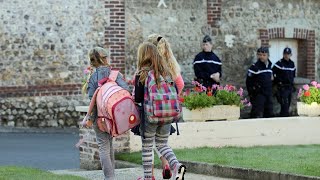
(161, 105)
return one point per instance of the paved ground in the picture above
(130, 174)
(55, 151)
(48, 151)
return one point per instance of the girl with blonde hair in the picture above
(165, 51)
(150, 59)
(99, 60)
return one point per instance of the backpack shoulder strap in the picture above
(92, 104)
(113, 75)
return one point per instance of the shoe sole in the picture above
(181, 172)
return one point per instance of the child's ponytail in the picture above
(167, 54)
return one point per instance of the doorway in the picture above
(276, 50)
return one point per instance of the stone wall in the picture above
(237, 37)
(43, 52)
(40, 111)
(234, 26)
(44, 44)
(179, 21)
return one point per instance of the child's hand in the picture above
(86, 122)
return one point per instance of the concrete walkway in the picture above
(129, 174)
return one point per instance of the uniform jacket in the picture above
(259, 78)
(284, 72)
(205, 64)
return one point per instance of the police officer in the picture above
(206, 65)
(259, 85)
(284, 73)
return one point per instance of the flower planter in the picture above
(218, 112)
(312, 109)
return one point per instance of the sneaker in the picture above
(179, 172)
(166, 173)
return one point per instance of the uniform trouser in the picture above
(262, 106)
(285, 100)
(106, 153)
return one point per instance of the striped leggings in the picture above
(159, 135)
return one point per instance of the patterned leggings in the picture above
(159, 135)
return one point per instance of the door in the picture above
(277, 46)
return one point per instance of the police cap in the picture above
(206, 39)
(263, 50)
(287, 50)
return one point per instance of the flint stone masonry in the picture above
(43, 52)
(180, 22)
(44, 44)
(45, 111)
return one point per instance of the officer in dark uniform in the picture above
(284, 72)
(259, 85)
(206, 65)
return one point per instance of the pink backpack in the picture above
(117, 112)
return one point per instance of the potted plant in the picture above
(214, 103)
(309, 96)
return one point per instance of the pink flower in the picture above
(300, 92)
(226, 88)
(318, 85)
(231, 88)
(203, 88)
(314, 83)
(193, 82)
(244, 101)
(249, 104)
(306, 87)
(215, 86)
(86, 71)
(187, 92)
(240, 92)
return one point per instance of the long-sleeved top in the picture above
(179, 83)
(205, 64)
(139, 88)
(284, 72)
(100, 73)
(259, 78)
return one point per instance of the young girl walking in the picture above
(166, 53)
(99, 60)
(150, 59)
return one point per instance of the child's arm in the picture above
(180, 83)
(138, 90)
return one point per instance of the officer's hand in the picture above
(215, 77)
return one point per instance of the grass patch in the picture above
(301, 159)
(25, 173)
